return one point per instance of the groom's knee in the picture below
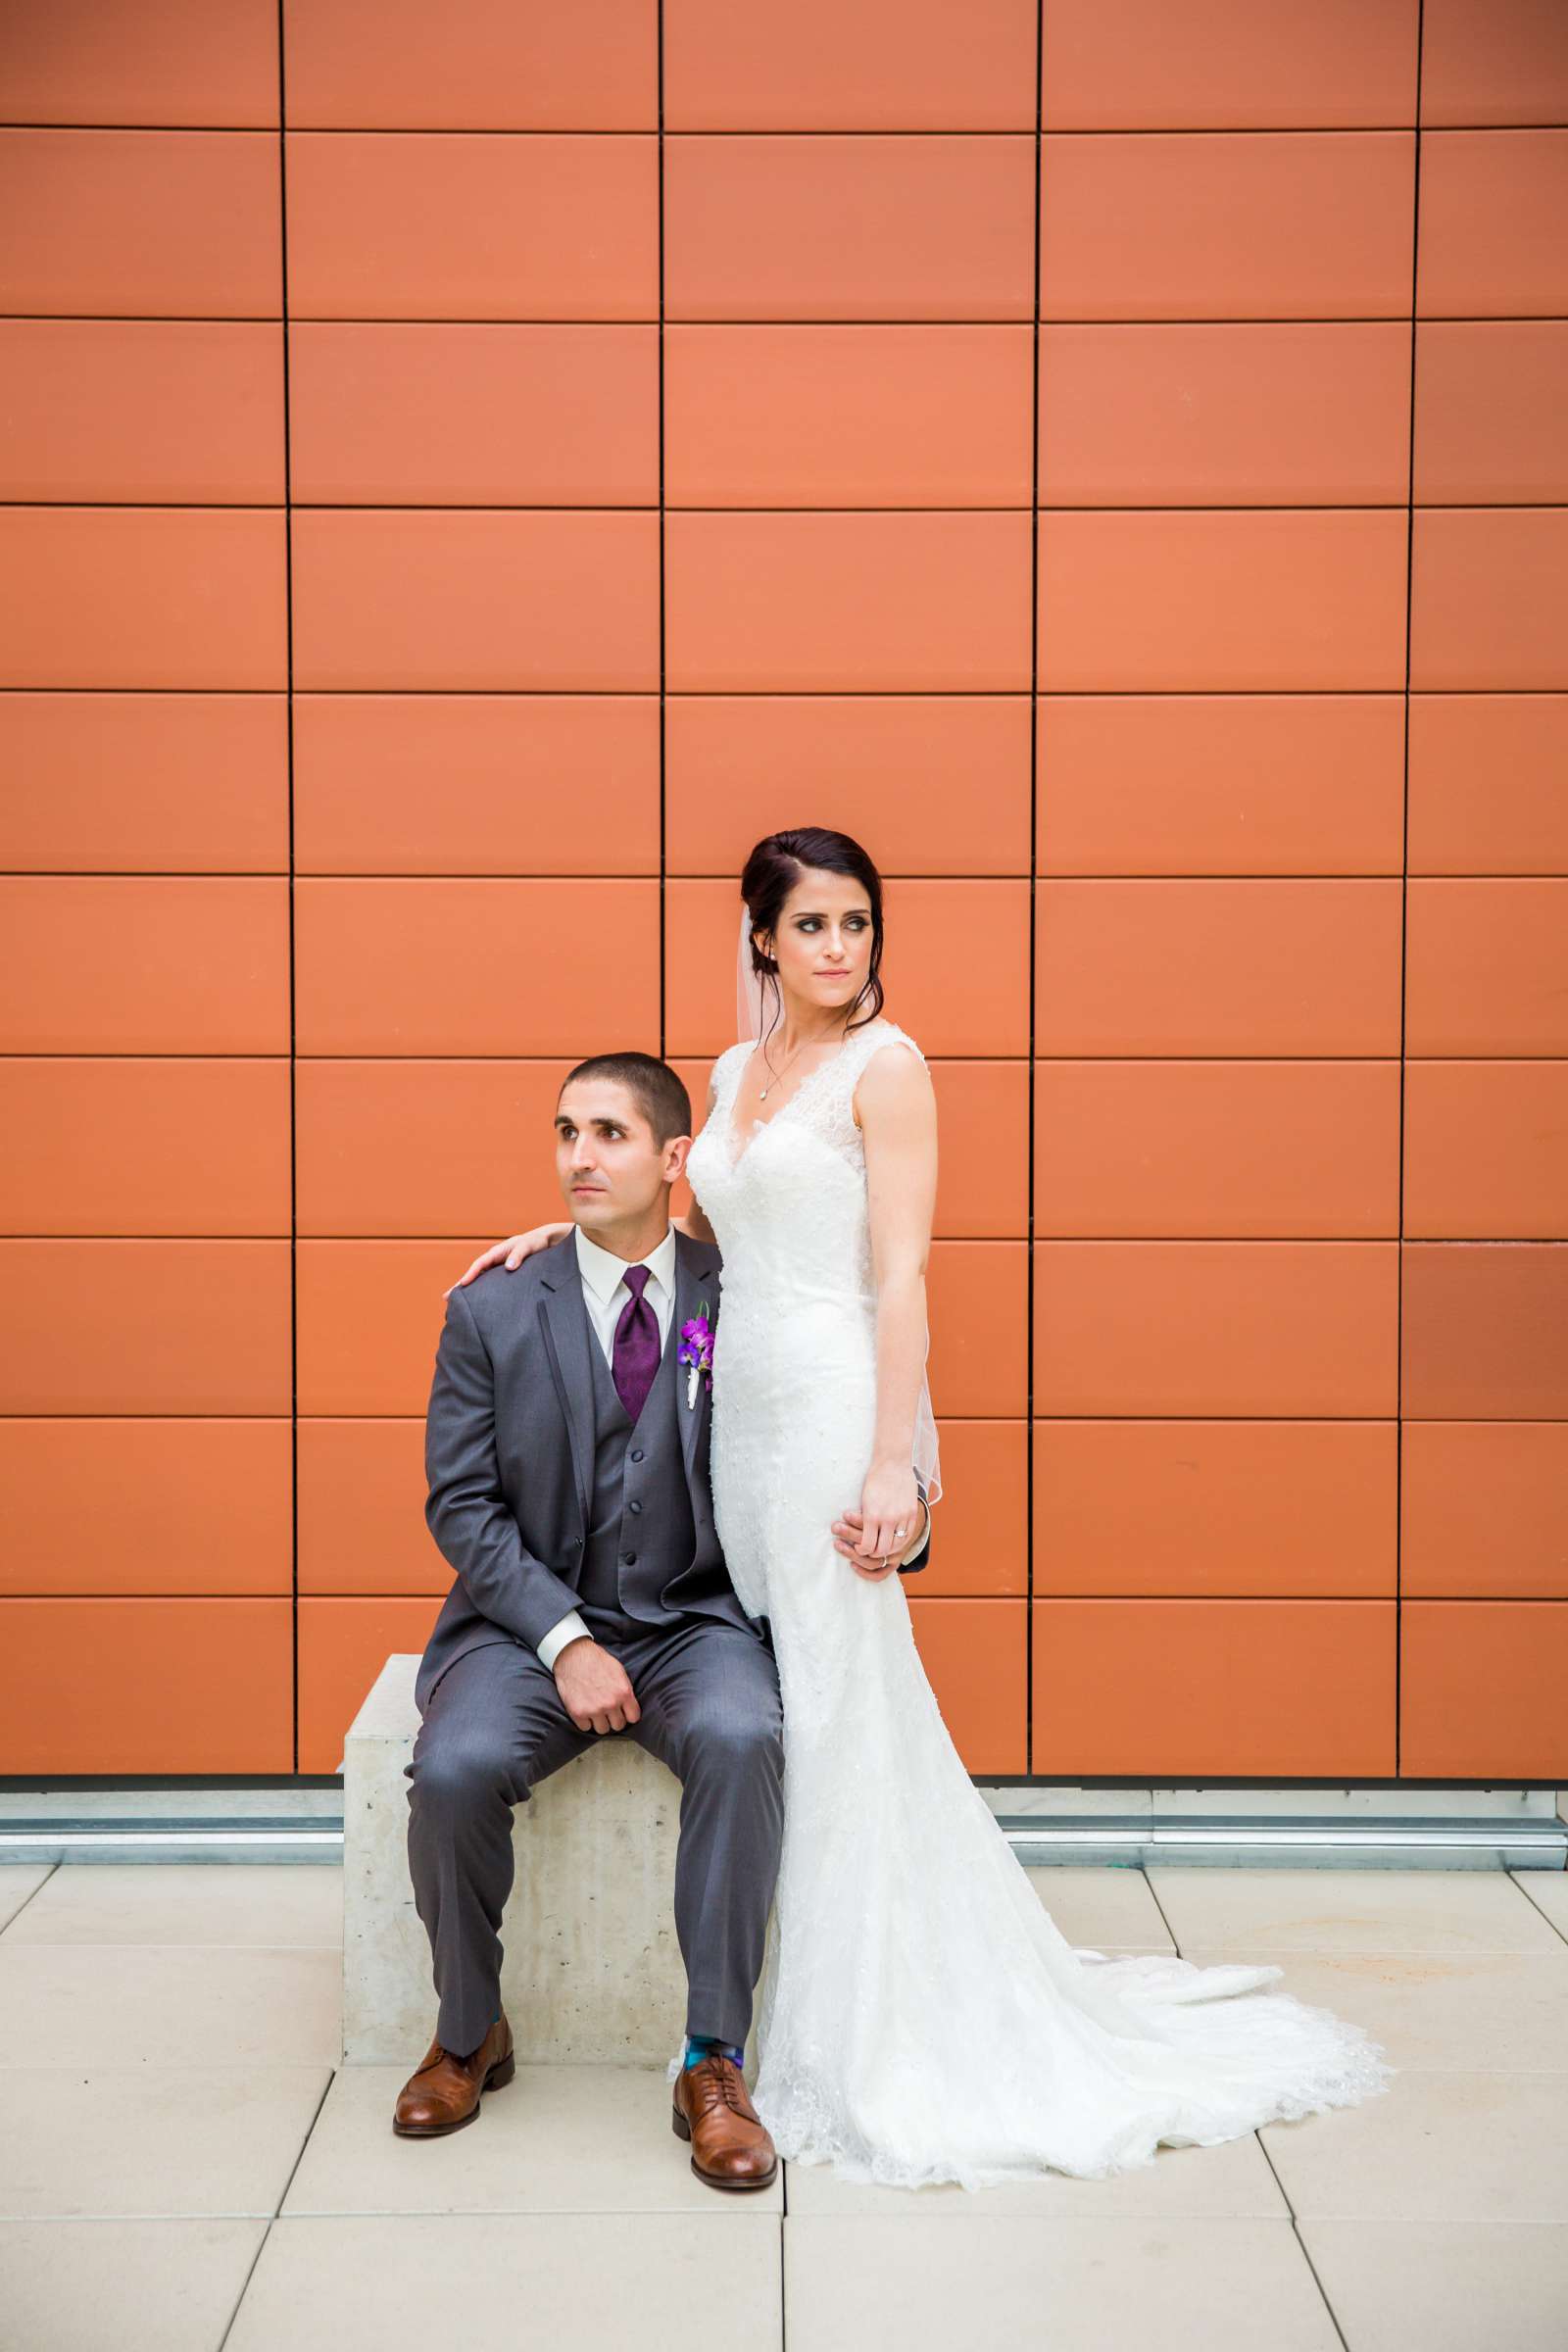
(742, 1743)
(463, 1764)
(450, 1778)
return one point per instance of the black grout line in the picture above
(1018, 1239)
(926, 134)
(365, 1056)
(251, 873)
(801, 693)
(26, 1784)
(1405, 950)
(293, 1032)
(1012, 1600)
(1030, 1286)
(1018, 320)
(413, 1418)
(744, 512)
(664, 590)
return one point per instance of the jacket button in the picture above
(637, 1453)
(636, 1506)
(629, 1559)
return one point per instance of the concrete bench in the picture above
(593, 1971)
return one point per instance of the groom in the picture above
(569, 1488)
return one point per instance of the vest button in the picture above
(629, 1559)
(636, 1506)
(636, 1453)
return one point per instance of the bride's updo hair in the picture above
(772, 870)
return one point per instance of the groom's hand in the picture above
(849, 1534)
(595, 1687)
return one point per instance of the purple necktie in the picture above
(636, 1358)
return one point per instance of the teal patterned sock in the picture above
(698, 2045)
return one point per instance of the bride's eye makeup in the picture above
(857, 923)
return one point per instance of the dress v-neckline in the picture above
(761, 1126)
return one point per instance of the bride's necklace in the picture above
(778, 1073)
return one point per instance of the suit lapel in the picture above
(563, 1322)
(692, 1290)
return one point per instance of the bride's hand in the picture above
(513, 1250)
(846, 1535)
(890, 1510)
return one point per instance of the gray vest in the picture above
(640, 1531)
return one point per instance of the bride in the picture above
(921, 2017)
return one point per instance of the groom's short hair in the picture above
(659, 1094)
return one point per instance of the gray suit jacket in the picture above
(509, 1456)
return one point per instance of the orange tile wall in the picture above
(467, 472)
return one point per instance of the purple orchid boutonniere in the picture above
(697, 1351)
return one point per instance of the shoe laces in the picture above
(724, 2078)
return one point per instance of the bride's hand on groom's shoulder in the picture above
(512, 1252)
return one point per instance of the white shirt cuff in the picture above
(565, 1629)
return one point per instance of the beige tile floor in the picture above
(184, 2168)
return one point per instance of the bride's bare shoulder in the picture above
(892, 1082)
(886, 1031)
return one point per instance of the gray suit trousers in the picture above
(495, 1724)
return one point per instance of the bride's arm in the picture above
(898, 1111)
(694, 1223)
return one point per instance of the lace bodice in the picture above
(788, 1201)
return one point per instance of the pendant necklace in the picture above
(779, 1074)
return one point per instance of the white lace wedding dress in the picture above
(920, 2017)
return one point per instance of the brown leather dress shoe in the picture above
(443, 2093)
(713, 2109)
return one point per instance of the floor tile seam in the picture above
(202, 2067)
(1075, 2221)
(92, 1943)
(1485, 2221)
(115, 1944)
(1142, 2220)
(218, 2213)
(1436, 2066)
(1104, 1945)
(1409, 2067)
(1359, 1951)
(513, 2212)
(565, 2213)
(1306, 2253)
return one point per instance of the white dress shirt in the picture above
(605, 1295)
